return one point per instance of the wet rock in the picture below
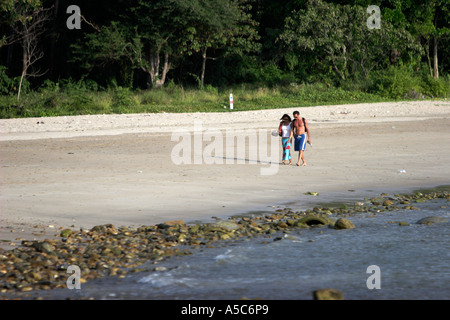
(160, 268)
(282, 224)
(194, 228)
(98, 229)
(312, 219)
(225, 236)
(174, 222)
(116, 251)
(162, 226)
(431, 220)
(105, 250)
(290, 222)
(66, 233)
(342, 223)
(328, 294)
(44, 247)
(227, 225)
(387, 203)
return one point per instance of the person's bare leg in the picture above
(300, 154)
(303, 158)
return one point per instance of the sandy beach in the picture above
(83, 171)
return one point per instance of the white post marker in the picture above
(231, 101)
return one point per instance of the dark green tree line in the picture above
(141, 44)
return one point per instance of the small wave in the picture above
(160, 280)
(230, 256)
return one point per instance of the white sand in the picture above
(89, 170)
(94, 125)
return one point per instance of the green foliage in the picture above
(396, 83)
(403, 83)
(436, 87)
(270, 74)
(270, 54)
(8, 85)
(72, 98)
(123, 100)
(338, 36)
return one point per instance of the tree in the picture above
(221, 25)
(143, 34)
(27, 19)
(321, 30)
(339, 38)
(429, 21)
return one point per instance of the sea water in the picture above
(412, 262)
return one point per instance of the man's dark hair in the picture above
(296, 112)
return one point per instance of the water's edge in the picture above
(413, 260)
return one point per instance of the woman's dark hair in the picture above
(286, 116)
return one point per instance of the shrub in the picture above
(436, 87)
(270, 74)
(396, 82)
(6, 83)
(123, 100)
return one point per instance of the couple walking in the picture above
(297, 128)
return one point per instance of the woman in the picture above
(284, 130)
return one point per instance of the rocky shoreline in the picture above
(106, 250)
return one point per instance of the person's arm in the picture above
(292, 132)
(307, 131)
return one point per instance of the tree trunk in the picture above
(202, 77)
(154, 60)
(160, 82)
(428, 58)
(154, 67)
(20, 86)
(435, 58)
(25, 63)
(53, 41)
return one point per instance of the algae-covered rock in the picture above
(342, 223)
(387, 203)
(66, 233)
(312, 219)
(282, 224)
(431, 220)
(174, 222)
(227, 225)
(194, 228)
(328, 294)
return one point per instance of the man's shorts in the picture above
(300, 142)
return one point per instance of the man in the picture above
(299, 130)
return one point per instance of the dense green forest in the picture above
(73, 57)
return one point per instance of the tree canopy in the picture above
(142, 44)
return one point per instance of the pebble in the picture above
(106, 250)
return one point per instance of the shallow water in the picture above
(413, 262)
